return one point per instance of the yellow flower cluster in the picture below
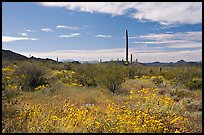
(146, 77)
(161, 77)
(7, 69)
(136, 77)
(145, 112)
(66, 77)
(41, 87)
(12, 86)
(149, 77)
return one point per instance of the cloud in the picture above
(71, 35)
(114, 8)
(192, 35)
(161, 42)
(11, 39)
(29, 30)
(23, 34)
(186, 45)
(161, 27)
(192, 39)
(66, 27)
(46, 30)
(103, 36)
(108, 54)
(166, 13)
(170, 13)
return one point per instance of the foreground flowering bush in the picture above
(141, 111)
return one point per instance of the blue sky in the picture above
(96, 30)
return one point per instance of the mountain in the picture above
(180, 62)
(13, 56)
(9, 55)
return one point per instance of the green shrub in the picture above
(158, 80)
(180, 93)
(85, 74)
(111, 76)
(194, 84)
(131, 72)
(32, 75)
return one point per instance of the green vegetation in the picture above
(44, 96)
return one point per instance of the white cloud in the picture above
(66, 27)
(163, 12)
(114, 8)
(161, 42)
(11, 39)
(29, 30)
(192, 39)
(170, 12)
(186, 45)
(170, 44)
(46, 30)
(103, 36)
(107, 54)
(23, 34)
(193, 35)
(69, 36)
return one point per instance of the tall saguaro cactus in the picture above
(126, 47)
(131, 58)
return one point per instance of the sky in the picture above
(86, 31)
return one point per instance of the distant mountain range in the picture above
(180, 62)
(12, 56)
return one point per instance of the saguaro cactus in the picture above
(126, 47)
(160, 69)
(131, 58)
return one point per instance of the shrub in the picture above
(180, 93)
(111, 76)
(86, 75)
(131, 72)
(191, 104)
(194, 84)
(157, 80)
(32, 75)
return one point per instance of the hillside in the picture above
(9, 55)
(13, 56)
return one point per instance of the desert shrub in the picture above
(85, 75)
(191, 104)
(157, 80)
(10, 93)
(131, 72)
(69, 66)
(139, 70)
(9, 108)
(180, 93)
(163, 91)
(32, 75)
(57, 85)
(194, 84)
(111, 76)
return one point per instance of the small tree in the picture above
(33, 75)
(111, 76)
